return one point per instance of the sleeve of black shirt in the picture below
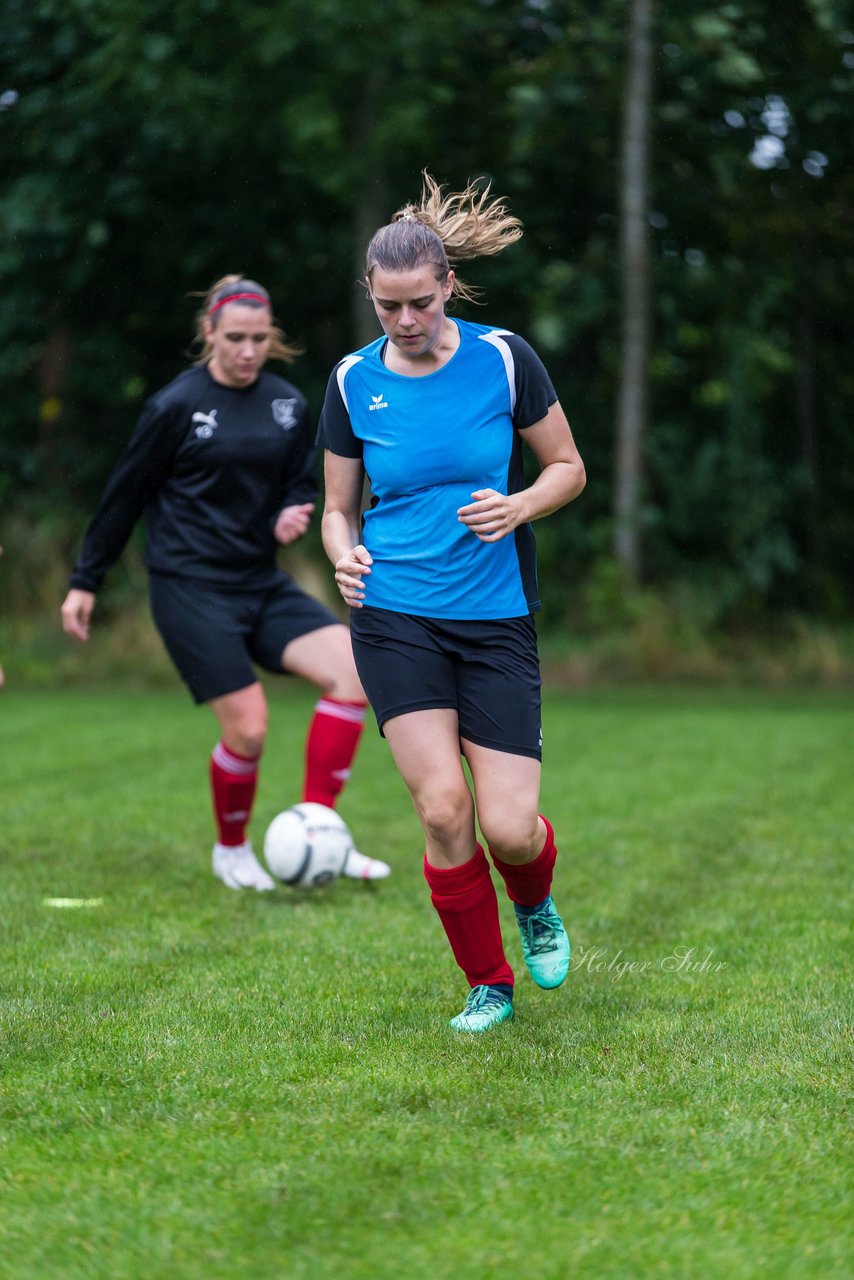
(534, 391)
(335, 431)
(136, 477)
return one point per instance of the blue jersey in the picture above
(427, 444)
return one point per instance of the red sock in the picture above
(531, 882)
(333, 737)
(468, 908)
(233, 782)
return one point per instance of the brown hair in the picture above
(441, 229)
(250, 294)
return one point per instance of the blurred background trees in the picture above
(147, 147)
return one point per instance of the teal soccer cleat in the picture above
(545, 944)
(485, 1008)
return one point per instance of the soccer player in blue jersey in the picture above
(441, 576)
(222, 465)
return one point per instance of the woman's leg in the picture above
(521, 844)
(325, 658)
(507, 794)
(234, 764)
(426, 749)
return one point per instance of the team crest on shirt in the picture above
(207, 424)
(285, 413)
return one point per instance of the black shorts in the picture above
(214, 635)
(489, 672)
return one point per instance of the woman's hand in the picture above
(349, 571)
(492, 515)
(76, 612)
(292, 522)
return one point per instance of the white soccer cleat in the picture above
(237, 867)
(360, 867)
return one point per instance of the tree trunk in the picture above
(635, 291)
(807, 416)
(370, 210)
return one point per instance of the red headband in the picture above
(234, 297)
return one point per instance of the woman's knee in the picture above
(325, 657)
(244, 724)
(445, 813)
(247, 739)
(512, 836)
(342, 680)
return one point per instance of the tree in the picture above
(147, 146)
(635, 290)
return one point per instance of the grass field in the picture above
(197, 1083)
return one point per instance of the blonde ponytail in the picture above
(442, 229)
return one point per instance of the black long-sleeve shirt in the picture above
(211, 467)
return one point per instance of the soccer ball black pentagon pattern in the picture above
(306, 846)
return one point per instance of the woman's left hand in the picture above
(492, 515)
(293, 522)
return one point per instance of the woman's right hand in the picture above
(349, 570)
(76, 612)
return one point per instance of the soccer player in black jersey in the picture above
(222, 465)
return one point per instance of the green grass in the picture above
(197, 1083)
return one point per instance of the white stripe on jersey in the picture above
(343, 369)
(494, 337)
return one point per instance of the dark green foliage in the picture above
(153, 146)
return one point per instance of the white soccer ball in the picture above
(307, 846)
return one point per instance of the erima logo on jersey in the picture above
(285, 413)
(378, 402)
(207, 424)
